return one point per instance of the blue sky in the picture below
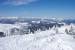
(38, 8)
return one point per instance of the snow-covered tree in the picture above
(66, 30)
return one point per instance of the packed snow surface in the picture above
(44, 40)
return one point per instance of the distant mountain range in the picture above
(12, 20)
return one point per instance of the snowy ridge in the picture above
(44, 40)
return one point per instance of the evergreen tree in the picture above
(66, 30)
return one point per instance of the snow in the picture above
(6, 28)
(36, 22)
(44, 40)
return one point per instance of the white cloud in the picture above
(18, 2)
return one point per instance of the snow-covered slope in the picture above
(44, 40)
(8, 28)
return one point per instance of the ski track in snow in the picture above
(45, 40)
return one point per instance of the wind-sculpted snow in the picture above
(44, 40)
